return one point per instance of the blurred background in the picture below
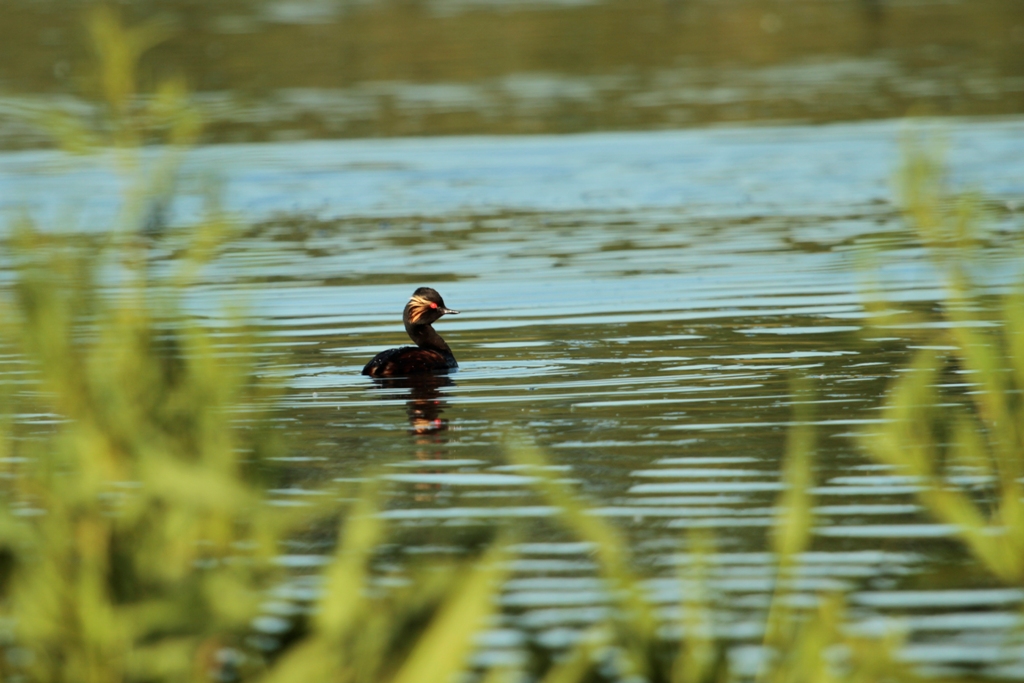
(301, 69)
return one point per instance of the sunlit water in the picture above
(637, 305)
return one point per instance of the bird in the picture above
(431, 354)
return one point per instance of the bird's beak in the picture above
(448, 311)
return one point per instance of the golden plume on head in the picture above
(422, 301)
(418, 305)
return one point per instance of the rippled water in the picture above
(636, 304)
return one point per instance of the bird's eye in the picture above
(433, 305)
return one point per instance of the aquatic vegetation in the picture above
(134, 535)
(813, 643)
(420, 630)
(134, 539)
(628, 644)
(954, 420)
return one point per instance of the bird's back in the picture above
(408, 360)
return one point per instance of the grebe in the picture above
(431, 353)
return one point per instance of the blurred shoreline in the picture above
(276, 71)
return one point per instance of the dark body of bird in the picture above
(431, 354)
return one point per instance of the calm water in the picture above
(637, 305)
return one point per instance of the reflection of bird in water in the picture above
(424, 405)
(431, 354)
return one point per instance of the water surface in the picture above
(635, 304)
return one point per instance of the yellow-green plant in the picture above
(801, 644)
(133, 528)
(701, 655)
(790, 536)
(936, 434)
(422, 631)
(134, 535)
(632, 631)
(814, 645)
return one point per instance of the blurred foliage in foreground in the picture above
(954, 422)
(136, 542)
